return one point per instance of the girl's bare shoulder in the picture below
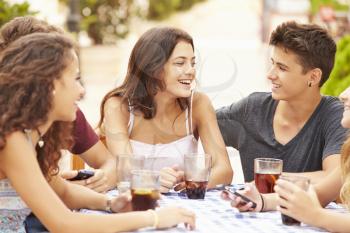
(116, 103)
(200, 101)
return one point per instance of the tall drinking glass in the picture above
(126, 163)
(303, 183)
(144, 189)
(197, 171)
(266, 172)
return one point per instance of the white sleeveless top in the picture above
(169, 154)
(13, 211)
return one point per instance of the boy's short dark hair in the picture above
(312, 44)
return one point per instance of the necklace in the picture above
(41, 142)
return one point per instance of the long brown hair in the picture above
(143, 79)
(28, 68)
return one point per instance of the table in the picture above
(216, 215)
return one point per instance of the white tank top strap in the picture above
(187, 123)
(131, 119)
(131, 122)
(190, 125)
(189, 129)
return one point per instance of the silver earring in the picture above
(41, 142)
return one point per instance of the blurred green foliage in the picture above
(9, 11)
(339, 79)
(107, 20)
(162, 9)
(335, 4)
(104, 20)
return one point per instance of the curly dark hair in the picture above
(28, 68)
(143, 78)
(312, 44)
(21, 26)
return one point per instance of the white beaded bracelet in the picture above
(156, 219)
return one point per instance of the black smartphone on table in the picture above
(245, 199)
(83, 175)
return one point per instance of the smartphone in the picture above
(245, 199)
(83, 175)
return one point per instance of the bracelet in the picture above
(262, 203)
(155, 216)
(109, 205)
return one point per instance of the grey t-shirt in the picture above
(247, 126)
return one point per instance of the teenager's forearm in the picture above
(331, 221)
(220, 176)
(109, 167)
(77, 197)
(314, 177)
(89, 223)
(122, 223)
(326, 194)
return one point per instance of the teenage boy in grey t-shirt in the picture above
(294, 122)
(247, 126)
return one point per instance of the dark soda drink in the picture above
(265, 182)
(144, 199)
(286, 220)
(196, 189)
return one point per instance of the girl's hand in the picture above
(169, 177)
(98, 182)
(250, 192)
(171, 216)
(297, 203)
(121, 203)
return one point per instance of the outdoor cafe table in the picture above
(216, 215)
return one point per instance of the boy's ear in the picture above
(316, 76)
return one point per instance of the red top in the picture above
(84, 135)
